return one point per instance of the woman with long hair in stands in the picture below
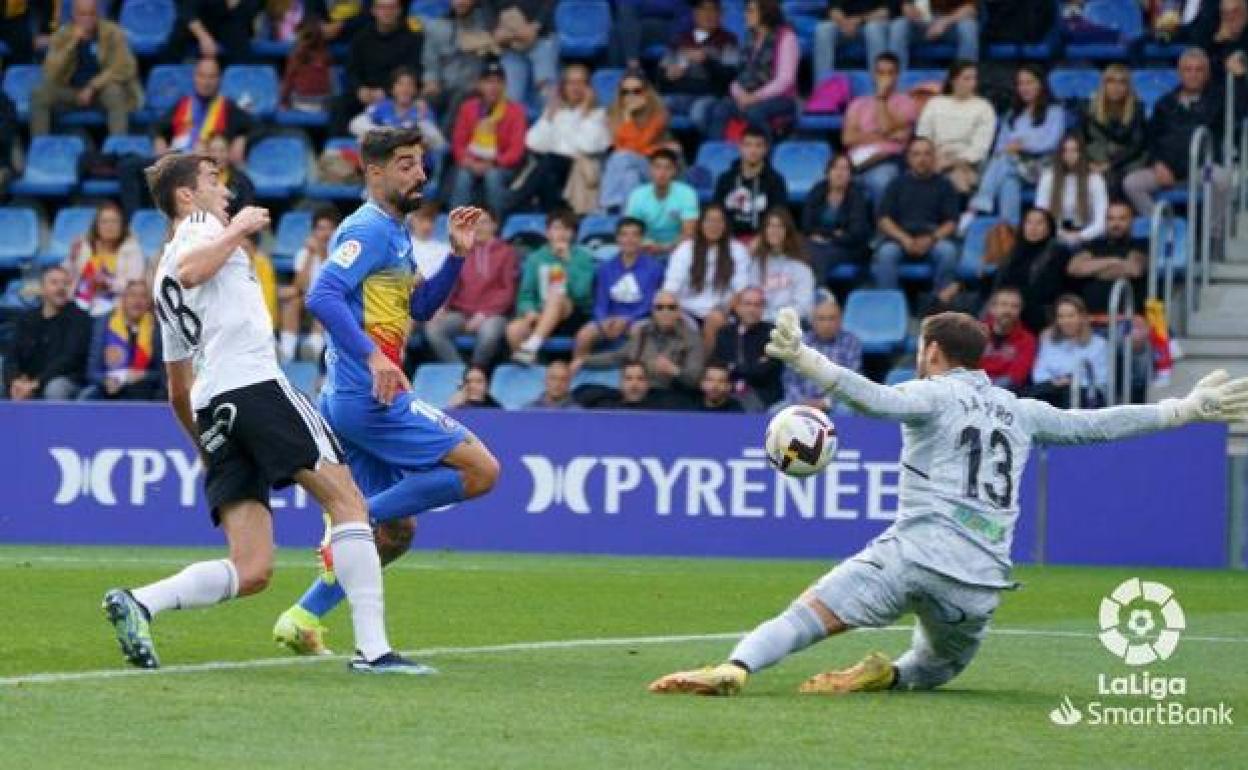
(103, 260)
(1074, 194)
(780, 266)
(706, 272)
(637, 119)
(1070, 350)
(1113, 128)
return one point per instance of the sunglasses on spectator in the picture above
(667, 307)
(632, 91)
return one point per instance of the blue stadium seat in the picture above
(150, 227)
(429, 9)
(71, 222)
(124, 144)
(13, 300)
(605, 252)
(804, 27)
(436, 383)
(898, 375)
(147, 24)
(584, 27)
(514, 387)
(714, 157)
(166, 84)
(20, 81)
(861, 83)
(878, 317)
(254, 88)
(606, 377)
(530, 224)
(1121, 15)
(1069, 84)
(292, 230)
(732, 18)
(51, 166)
(605, 82)
(1151, 85)
(302, 374)
(302, 118)
(278, 166)
(845, 272)
(801, 164)
(971, 265)
(916, 77)
(327, 191)
(1175, 251)
(19, 237)
(596, 229)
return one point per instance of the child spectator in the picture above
(556, 290)
(402, 109)
(624, 290)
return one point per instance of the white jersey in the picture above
(964, 445)
(224, 322)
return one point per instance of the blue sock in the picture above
(417, 493)
(322, 597)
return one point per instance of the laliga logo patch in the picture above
(1130, 626)
(346, 253)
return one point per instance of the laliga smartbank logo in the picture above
(1141, 622)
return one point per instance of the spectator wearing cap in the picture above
(488, 143)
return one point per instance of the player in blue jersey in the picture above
(406, 455)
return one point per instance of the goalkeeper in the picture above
(947, 556)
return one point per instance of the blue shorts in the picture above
(382, 443)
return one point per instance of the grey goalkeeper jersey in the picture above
(964, 445)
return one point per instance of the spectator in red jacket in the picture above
(488, 143)
(481, 301)
(1011, 348)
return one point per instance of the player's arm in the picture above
(912, 405)
(199, 263)
(434, 291)
(1216, 398)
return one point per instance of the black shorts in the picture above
(569, 326)
(257, 438)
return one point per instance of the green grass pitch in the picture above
(582, 704)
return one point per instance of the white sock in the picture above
(791, 631)
(288, 345)
(201, 584)
(533, 344)
(358, 569)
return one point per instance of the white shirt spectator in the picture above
(1098, 201)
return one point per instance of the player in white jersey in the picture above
(253, 430)
(947, 557)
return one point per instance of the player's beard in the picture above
(407, 202)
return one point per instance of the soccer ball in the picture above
(800, 441)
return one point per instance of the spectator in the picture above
(1009, 21)
(918, 217)
(717, 390)
(104, 261)
(124, 363)
(1180, 21)
(402, 109)
(634, 392)
(242, 190)
(18, 24)
(455, 52)
(640, 24)
(1226, 41)
(222, 29)
(865, 20)
(525, 33)
(936, 21)
(700, 65)
(1036, 266)
(49, 351)
(1067, 350)
(481, 300)
(309, 261)
(667, 347)
(488, 144)
(557, 394)
(556, 290)
(341, 20)
(705, 272)
(474, 392)
(624, 290)
(667, 206)
(781, 266)
(571, 130)
(837, 219)
(739, 347)
(1074, 194)
(1104, 260)
(750, 186)
(961, 124)
(1113, 128)
(376, 51)
(836, 344)
(89, 64)
(764, 93)
(878, 126)
(1194, 104)
(1030, 133)
(637, 120)
(428, 250)
(308, 80)
(1011, 349)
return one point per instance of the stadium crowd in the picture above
(980, 190)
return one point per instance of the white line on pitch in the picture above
(557, 644)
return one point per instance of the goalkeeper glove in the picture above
(1216, 398)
